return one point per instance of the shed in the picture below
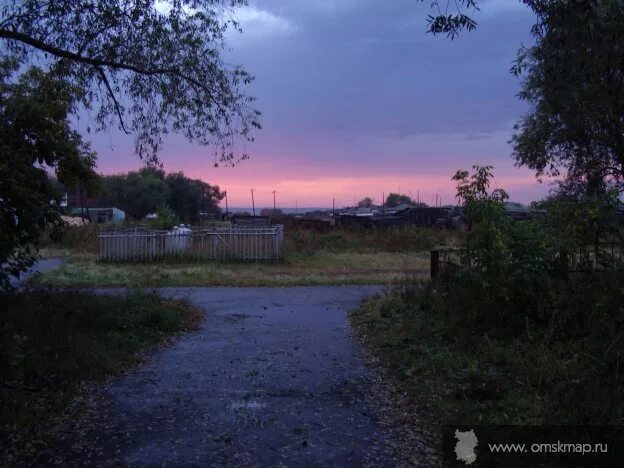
(102, 215)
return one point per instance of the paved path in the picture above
(273, 378)
(41, 265)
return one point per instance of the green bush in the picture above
(398, 239)
(77, 238)
(528, 329)
(461, 372)
(513, 272)
(165, 219)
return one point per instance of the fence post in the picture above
(435, 263)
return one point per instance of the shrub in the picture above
(399, 239)
(539, 287)
(523, 270)
(529, 329)
(165, 219)
(534, 373)
(79, 238)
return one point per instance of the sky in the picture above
(358, 100)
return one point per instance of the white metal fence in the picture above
(235, 243)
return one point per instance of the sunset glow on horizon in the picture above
(357, 100)
(312, 188)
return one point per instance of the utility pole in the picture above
(383, 202)
(274, 211)
(227, 211)
(333, 207)
(253, 203)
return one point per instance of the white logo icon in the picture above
(465, 446)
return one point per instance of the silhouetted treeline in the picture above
(143, 192)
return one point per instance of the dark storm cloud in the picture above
(366, 68)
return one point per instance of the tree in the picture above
(149, 67)
(394, 199)
(480, 204)
(34, 134)
(145, 191)
(58, 189)
(137, 193)
(165, 219)
(189, 197)
(366, 202)
(451, 22)
(574, 82)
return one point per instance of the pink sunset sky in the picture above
(357, 101)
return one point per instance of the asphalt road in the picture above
(273, 378)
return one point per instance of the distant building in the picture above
(517, 211)
(364, 211)
(399, 207)
(209, 214)
(102, 215)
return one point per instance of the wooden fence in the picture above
(235, 243)
(426, 217)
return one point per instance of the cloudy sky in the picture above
(358, 100)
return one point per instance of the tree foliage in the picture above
(165, 219)
(485, 211)
(136, 193)
(451, 18)
(149, 67)
(394, 199)
(190, 197)
(513, 270)
(146, 191)
(574, 83)
(34, 135)
(473, 191)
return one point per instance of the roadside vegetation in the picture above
(54, 344)
(526, 329)
(336, 257)
(398, 239)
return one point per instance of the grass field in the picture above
(322, 268)
(310, 258)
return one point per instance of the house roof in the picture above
(400, 207)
